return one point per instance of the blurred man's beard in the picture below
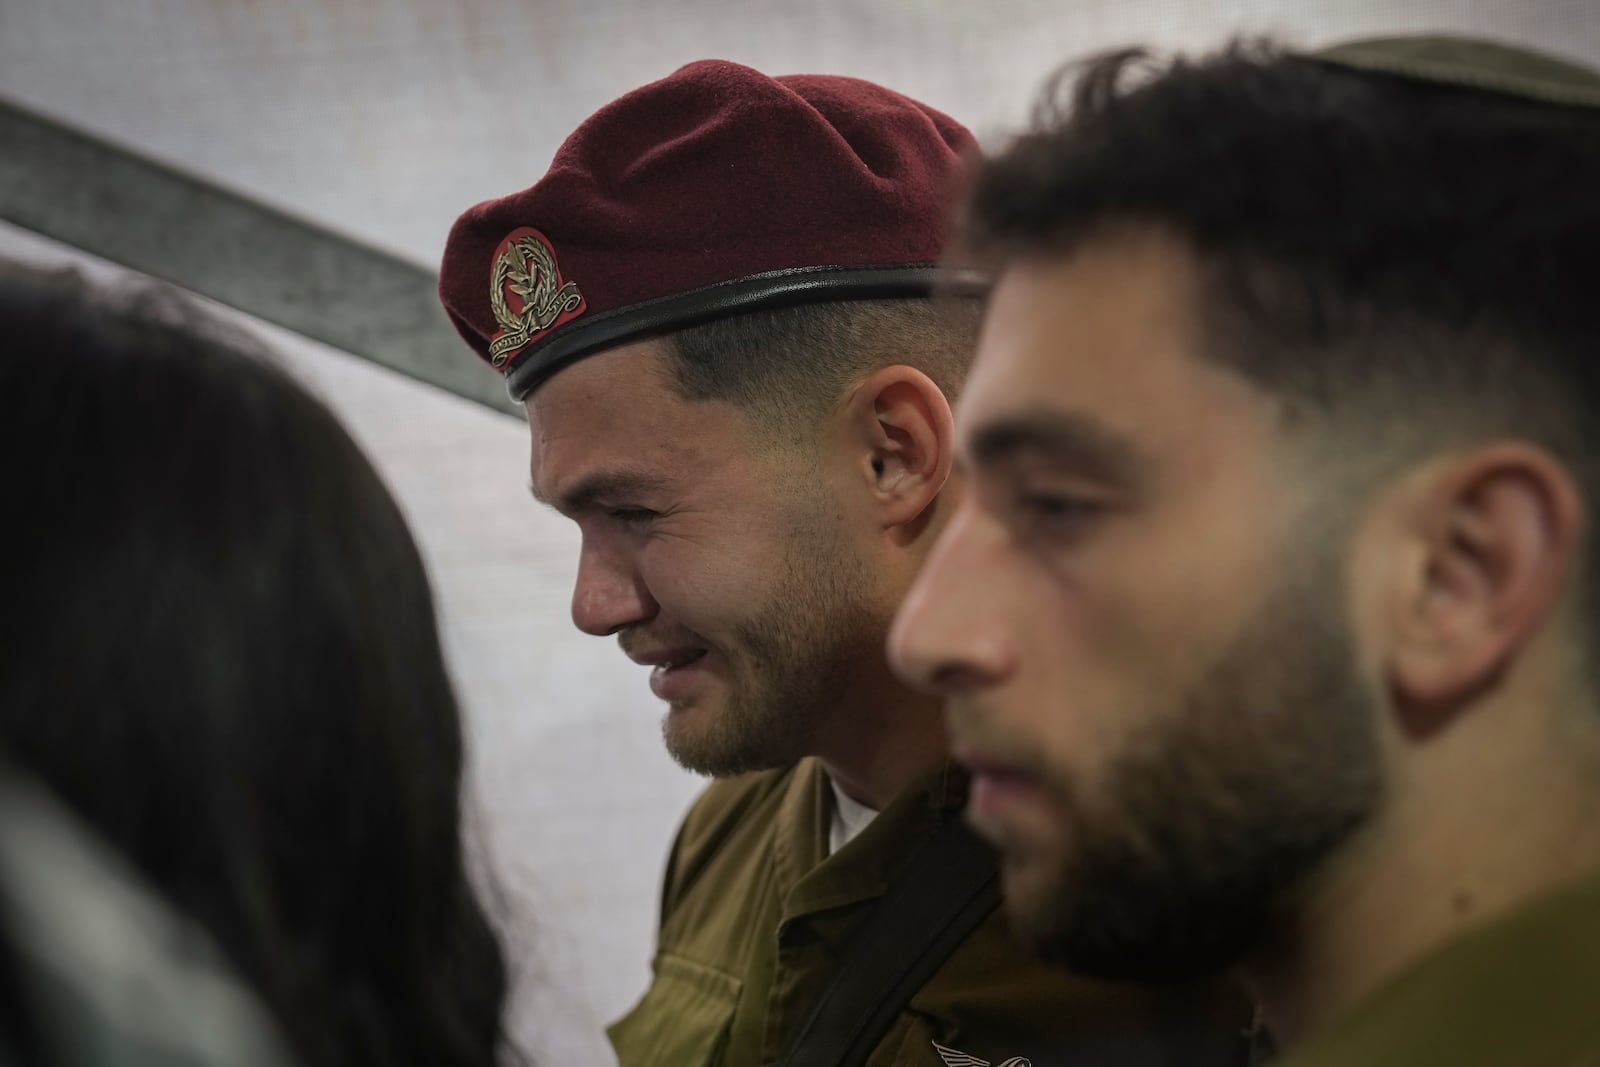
(795, 658)
(1177, 859)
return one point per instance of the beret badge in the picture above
(527, 293)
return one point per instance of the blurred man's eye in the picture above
(1054, 513)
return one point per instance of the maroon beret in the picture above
(715, 191)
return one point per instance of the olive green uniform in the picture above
(1523, 991)
(755, 912)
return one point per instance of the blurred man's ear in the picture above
(1494, 536)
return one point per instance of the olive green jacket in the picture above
(1523, 991)
(755, 912)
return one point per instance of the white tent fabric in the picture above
(383, 119)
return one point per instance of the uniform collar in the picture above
(811, 881)
(1518, 990)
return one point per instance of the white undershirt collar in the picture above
(850, 817)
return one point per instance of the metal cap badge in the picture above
(527, 293)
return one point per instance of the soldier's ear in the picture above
(900, 435)
(1491, 539)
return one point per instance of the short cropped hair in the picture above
(1412, 259)
(793, 365)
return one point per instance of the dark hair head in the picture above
(1327, 207)
(218, 646)
(793, 365)
(1414, 261)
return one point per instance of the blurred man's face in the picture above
(717, 564)
(1137, 617)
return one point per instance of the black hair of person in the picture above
(218, 647)
(1413, 262)
(794, 364)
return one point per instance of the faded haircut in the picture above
(794, 365)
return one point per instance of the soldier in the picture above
(1267, 624)
(716, 310)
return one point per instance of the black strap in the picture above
(588, 335)
(950, 886)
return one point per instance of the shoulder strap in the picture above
(951, 885)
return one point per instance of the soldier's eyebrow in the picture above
(1073, 441)
(611, 486)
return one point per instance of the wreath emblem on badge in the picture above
(527, 293)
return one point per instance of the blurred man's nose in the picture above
(950, 634)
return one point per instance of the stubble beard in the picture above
(1176, 864)
(790, 664)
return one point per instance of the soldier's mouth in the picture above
(676, 673)
(682, 659)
